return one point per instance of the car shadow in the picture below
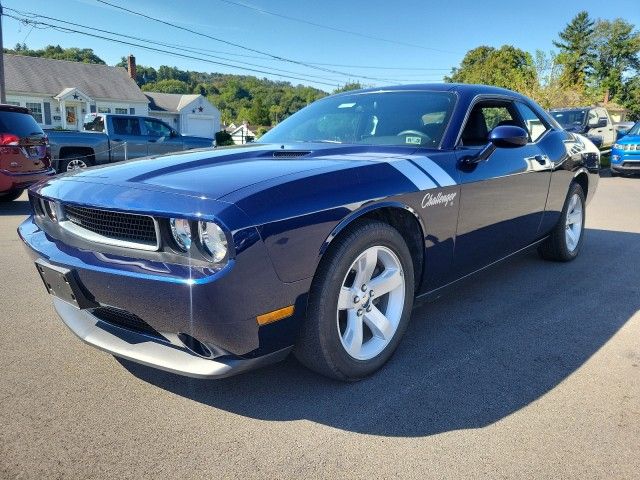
(17, 207)
(490, 347)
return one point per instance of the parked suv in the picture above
(25, 156)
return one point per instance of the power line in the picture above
(33, 15)
(40, 24)
(329, 27)
(244, 47)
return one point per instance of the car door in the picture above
(503, 197)
(605, 128)
(161, 138)
(125, 138)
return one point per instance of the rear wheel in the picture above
(360, 303)
(566, 239)
(76, 162)
(10, 196)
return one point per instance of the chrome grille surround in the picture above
(129, 230)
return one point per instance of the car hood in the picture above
(214, 173)
(628, 139)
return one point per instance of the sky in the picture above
(415, 41)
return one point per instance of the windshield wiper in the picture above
(320, 141)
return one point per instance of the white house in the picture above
(188, 114)
(243, 133)
(59, 93)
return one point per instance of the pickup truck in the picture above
(109, 138)
(592, 122)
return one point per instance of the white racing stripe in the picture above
(414, 174)
(435, 170)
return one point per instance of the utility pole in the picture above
(3, 92)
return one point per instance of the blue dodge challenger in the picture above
(315, 240)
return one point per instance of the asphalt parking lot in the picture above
(530, 370)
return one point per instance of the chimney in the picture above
(131, 66)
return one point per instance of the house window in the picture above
(36, 111)
(121, 111)
(104, 110)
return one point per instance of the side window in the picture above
(156, 128)
(484, 117)
(592, 118)
(535, 126)
(125, 126)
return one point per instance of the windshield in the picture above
(635, 130)
(379, 118)
(570, 118)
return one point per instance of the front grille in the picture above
(124, 319)
(290, 153)
(119, 226)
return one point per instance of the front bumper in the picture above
(165, 355)
(21, 180)
(624, 162)
(217, 308)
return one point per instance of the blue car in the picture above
(625, 154)
(315, 240)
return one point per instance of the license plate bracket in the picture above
(62, 283)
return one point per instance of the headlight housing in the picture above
(617, 146)
(181, 232)
(213, 240)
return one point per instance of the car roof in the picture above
(569, 109)
(12, 108)
(440, 87)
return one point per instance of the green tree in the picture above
(348, 86)
(506, 67)
(167, 86)
(83, 55)
(617, 45)
(630, 97)
(576, 50)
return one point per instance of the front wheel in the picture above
(360, 303)
(566, 239)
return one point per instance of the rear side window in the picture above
(125, 126)
(20, 124)
(535, 126)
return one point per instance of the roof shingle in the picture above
(50, 77)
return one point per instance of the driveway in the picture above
(529, 370)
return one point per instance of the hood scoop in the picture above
(290, 153)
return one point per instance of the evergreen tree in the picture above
(576, 54)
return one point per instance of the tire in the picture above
(10, 196)
(329, 339)
(563, 246)
(75, 161)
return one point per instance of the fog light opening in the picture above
(195, 346)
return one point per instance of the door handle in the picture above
(152, 140)
(116, 140)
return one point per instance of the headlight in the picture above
(617, 146)
(181, 232)
(50, 210)
(214, 240)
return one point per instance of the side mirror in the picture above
(602, 122)
(505, 136)
(509, 136)
(173, 134)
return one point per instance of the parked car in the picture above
(592, 122)
(316, 239)
(25, 157)
(112, 138)
(625, 154)
(622, 128)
